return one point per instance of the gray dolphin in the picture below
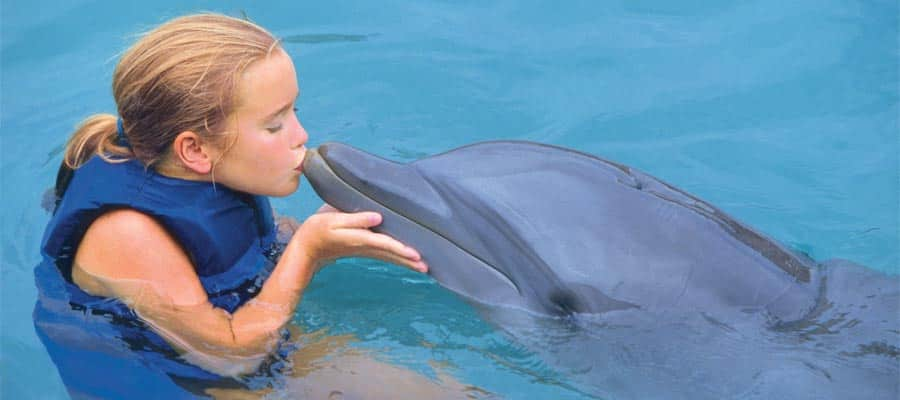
(630, 286)
(555, 231)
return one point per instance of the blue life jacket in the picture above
(228, 235)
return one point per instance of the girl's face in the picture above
(267, 155)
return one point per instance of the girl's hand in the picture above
(330, 234)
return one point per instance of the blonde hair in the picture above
(181, 76)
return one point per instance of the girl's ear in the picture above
(189, 148)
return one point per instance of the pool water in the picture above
(783, 115)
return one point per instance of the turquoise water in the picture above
(784, 116)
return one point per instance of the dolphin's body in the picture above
(555, 232)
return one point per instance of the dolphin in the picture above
(630, 286)
(556, 231)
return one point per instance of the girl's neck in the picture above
(176, 170)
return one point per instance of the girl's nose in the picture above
(299, 137)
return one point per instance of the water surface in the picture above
(783, 115)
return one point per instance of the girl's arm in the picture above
(128, 255)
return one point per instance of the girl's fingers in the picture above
(379, 241)
(352, 231)
(418, 266)
(386, 243)
(364, 220)
(384, 247)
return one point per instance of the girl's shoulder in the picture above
(126, 253)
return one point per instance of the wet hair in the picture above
(180, 76)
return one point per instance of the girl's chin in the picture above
(288, 189)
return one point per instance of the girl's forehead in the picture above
(267, 83)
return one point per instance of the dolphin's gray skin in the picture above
(556, 231)
(662, 295)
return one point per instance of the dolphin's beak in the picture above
(315, 160)
(327, 184)
(308, 159)
(318, 171)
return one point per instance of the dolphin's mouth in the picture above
(339, 191)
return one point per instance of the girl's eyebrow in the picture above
(282, 110)
(279, 112)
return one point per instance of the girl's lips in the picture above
(299, 167)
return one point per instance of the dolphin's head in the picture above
(470, 245)
(350, 179)
(353, 180)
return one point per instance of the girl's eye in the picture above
(276, 128)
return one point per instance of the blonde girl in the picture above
(163, 208)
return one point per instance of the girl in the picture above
(163, 208)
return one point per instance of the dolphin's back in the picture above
(600, 236)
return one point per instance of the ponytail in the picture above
(95, 136)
